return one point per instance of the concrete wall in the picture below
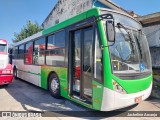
(153, 36)
(66, 9)
(155, 55)
(151, 27)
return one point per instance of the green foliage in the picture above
(27, 30)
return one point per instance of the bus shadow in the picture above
(33, 98)
(93, 114)
(3, 86)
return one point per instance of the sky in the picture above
(14, 14)
(141, 7)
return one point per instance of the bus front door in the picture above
(81, 64)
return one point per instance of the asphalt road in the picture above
(23, 96)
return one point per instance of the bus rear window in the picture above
(3, 48)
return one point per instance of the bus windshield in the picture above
(3, 48)
(130, 53)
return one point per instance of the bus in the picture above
(99, 59)
(6, 71)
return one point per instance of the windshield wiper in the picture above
(139, 46)
(121, 26)
(131, 41)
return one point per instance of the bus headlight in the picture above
(118, 88)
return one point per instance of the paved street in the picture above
(22, 96)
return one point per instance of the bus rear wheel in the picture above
(54, 86)
(15, 73)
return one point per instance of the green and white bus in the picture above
(99, 59)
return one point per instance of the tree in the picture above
(27, 30)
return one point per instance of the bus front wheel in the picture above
(54, 86)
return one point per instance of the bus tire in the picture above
(15, 72)
(54, 86)
(6, 85)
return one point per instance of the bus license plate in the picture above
(138, 99)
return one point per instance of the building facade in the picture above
(65, 9)
(151, 27)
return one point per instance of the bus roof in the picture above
(2, 41)
(91, 12)
(70, 21)
(118, 12)
(28, 39)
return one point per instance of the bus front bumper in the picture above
(113, 100)
(6, 79)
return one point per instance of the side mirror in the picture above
(110, 30)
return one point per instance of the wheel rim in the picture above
(54, 85)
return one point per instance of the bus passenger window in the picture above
(21, 52)
(15, 53)
(56, 49)
(39, 51)
(28, 53)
